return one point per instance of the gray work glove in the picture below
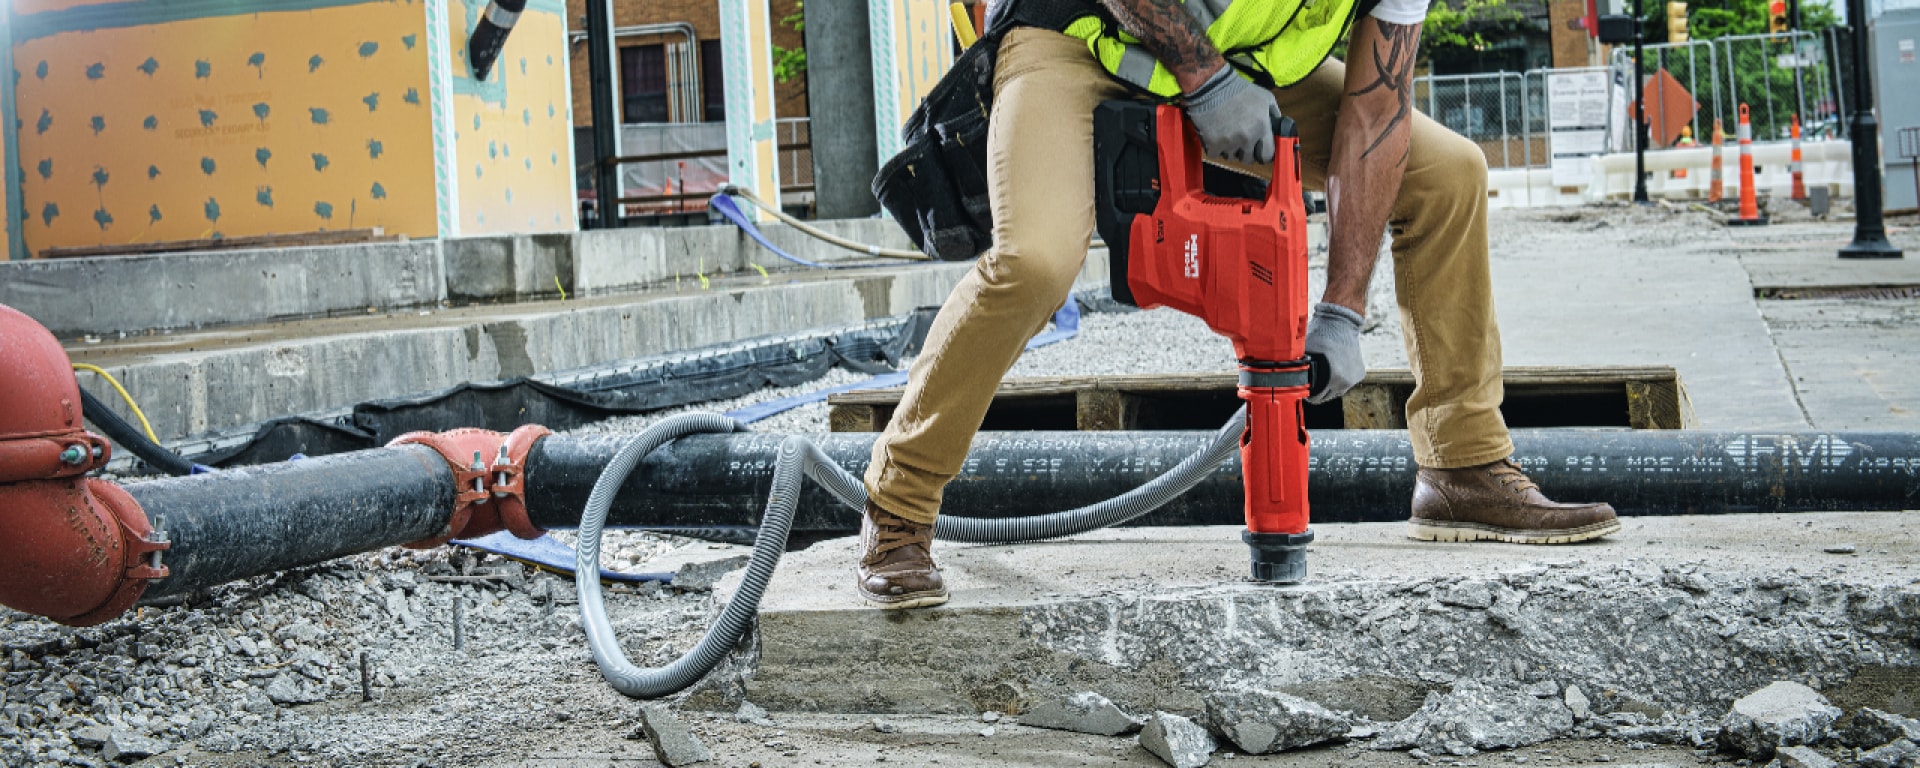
(1235, 118)
(1334, 333)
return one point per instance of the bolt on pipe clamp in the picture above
(489, 475)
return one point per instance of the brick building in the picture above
(649, 84)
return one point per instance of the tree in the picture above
(1464, 25)
(789, 63)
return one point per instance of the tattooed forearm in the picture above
(1392, 53)
(1171, 35)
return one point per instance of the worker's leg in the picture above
(1440, 272)
(1467, 488)
(1040, 176)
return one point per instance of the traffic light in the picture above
(1676, 22)
(1777, 16)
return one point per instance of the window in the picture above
(643, 84)
(713, 88)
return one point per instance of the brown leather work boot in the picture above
(896, 564)
(1497, 502)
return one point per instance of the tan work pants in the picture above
(1040, 150)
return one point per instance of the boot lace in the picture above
(893, 532)
(1510, 476)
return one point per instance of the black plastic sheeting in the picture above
(668, 382)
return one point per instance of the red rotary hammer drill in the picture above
(1218, 246)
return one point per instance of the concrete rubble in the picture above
(1478, 715)
(1083, 712)
(1871, 727)
(1900, 754)
(1260, 721)
(1780, 715)
(1178, 741)
(1802, 757)
(672, 743)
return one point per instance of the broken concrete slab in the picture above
(1155, 618)
(1082, 712)
(1802, 757)
(122, 746)
(1899, 754)
(672, 743)
(750, 712)
(1261, 721)
(1782, 714)
(1180, 742)
(1871, 728)
(1479, 715)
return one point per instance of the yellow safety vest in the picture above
(1277, 41)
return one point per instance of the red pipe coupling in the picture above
(489, 471)
(77, 550)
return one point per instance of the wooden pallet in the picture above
(1640, 397)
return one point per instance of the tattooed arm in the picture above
(1371, 138)
(1172, 36)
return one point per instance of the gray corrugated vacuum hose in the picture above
(798, 456)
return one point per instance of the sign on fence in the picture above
(1576, 123)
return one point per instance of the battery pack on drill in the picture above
(1231, 250)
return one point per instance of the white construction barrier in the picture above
(1827, 163)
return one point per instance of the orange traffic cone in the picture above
(1795, 167)
(1749, 206)
(1714, 185)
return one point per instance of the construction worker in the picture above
(1685, 142)
(1380, 163)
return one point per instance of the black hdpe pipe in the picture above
(720, 481)
(254, 520)
(249, 521)
(130, 437)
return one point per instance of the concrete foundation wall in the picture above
(132, 294)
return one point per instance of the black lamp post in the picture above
(1640, 112)
(1869, 226)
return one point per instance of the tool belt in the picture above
(936, 187)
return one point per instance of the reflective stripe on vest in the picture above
(1278, 40)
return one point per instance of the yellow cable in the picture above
(962, 25)
(123, 396)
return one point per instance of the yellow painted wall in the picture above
(257, 123)
(512, 132)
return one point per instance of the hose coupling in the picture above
(477, 483)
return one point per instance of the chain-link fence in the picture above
(1777, 76)
(1500, 111)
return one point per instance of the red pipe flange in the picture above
(77, 550)
(489, 473)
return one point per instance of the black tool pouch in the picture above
(936, 188)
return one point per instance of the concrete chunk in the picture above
(1260, 721)
(1871, 728)
(1178, 741)
(123, 746)
(1802, 757)
(1899, 754)
(1479, 715)
(1783, 714)
(91, 736)
(672, 743)
(1577, 703)
(287, 690)
(750, 712)
(1084, 712)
